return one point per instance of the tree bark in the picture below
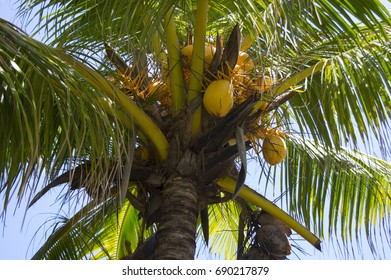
(177, 226)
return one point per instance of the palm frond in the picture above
(57, 111)
(49, 115)
(336, 190)
(86, 25)
(223, 234)
(102, 231)
(348, 100)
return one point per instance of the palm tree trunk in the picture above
(177, 226)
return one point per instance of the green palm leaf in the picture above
(223, 221)
(99, 232)
(59, 111)
(341, 190)
(347, 101)
(44, 124)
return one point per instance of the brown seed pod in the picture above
(255, 253)
(273, 241)
(265, 218)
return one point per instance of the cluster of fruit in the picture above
(232, 88)
(221, 95)
(226, 90)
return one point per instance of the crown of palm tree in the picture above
(112, 100)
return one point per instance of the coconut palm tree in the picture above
(154, 110)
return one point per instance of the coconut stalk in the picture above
(229, 184)
(282, 91)
(197, 62)
(177, 84)
(130, 110)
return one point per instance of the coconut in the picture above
(209, 53)
(218, 98)
(245, 62)
(274, 149)
(262, 84)
(187, 51)
(210, 50)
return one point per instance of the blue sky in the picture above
(17, 239)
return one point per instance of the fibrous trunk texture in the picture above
(177, 226)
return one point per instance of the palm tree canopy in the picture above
(330, 59)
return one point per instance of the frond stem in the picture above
(133, 112)
(197, 61)
(177, 84)
(250, 195)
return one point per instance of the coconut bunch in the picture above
(236, 100)
(231, 79)
(237, 115)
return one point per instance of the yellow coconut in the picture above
(262, 83)
(209, 53)
(274, 149)
(245, 62)
(210, 50)
(218, 98)
(162, 92)
(187, 51)
(157, 86)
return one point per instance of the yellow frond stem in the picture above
(122, 117)
(131, 112)
(196, 118)
(247, 42)
(293, 81)
(156, 44)
(229, 184)
(310, 71)
(197, 61)
(177, 84)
